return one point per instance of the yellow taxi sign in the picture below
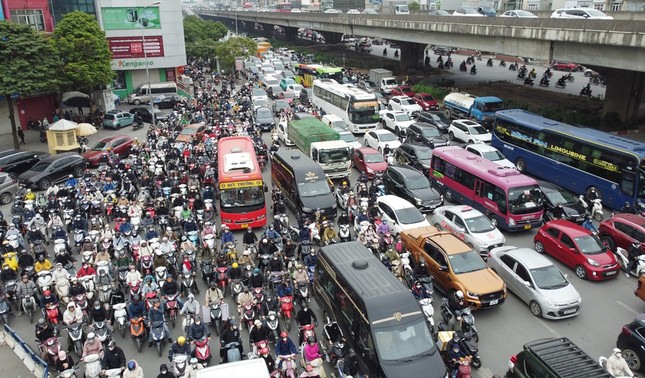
(240, 184)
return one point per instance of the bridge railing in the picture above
(36, 365)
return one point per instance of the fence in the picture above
(31, 359)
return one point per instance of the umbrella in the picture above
(75, 99)
(85, 129)
(63, 125)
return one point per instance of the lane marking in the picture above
(628, 308)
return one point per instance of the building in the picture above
(61, 7)
(35, 13)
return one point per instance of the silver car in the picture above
(536, 281)
(8, 188)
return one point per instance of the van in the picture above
(144, 95)
(303, 183)
(401, 9)
(334, 121)
(255, 368)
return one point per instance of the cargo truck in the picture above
(464, 105)
(323, 145)
(383, 79)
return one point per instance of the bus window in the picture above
(627, 183)
(497, 195)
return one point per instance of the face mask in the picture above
(213, 288)
(97, 307)
(164, 371)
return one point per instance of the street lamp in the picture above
(145, 57)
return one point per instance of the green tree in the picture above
(30, 66)
(196, 29)
(84, 51)
(202, 49)
(414, 6)
(232, 47)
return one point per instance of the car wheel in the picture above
(78, 171)
(449, 196)
(608, 242)
(137, 102)
(471, 142)
(521, 165)
(632, 359)
(451, 136)
(581, 272)
(117, 127)
(437, 226)
(5, 198)
(44, 183)
(397, 131)
(535, 309)
(380, 151)
(539, 247)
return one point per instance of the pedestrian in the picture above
(21, 134)
(80, 110)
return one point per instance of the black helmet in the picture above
(135, 297)
(311, 339)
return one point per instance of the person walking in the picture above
(21, 135)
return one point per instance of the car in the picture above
(333, 11)
(518, 13)
(288, 96)
(348, 137)
(295, 88)
(415, 155)
(369, 11)
(436, 118)
(404, 103)
(116, 119)
(631, 341)
(367, 85)
(467, 12)
(378, 139)
(263, 118)
(426, 101)
(283, 133)
(167, 101)
(580, 13)
(280, 105)
(258, 94)
(537, 281)
(369, 161)
(565, 66)
(397, 121)
(400, 214)
(402, 90)
(469, 225)
(53, 169)
(8, 188)
(302, 115)
(285, 82)
(487, 11)
(468, 131)
(438, 12)
(412, 185)
(274, 91)
(578, 248)
(192, 132)
(426, 134)
(15, 162)
(288, 74)
(621, 230)
(490, 153)
(146, 116)
(554, 195)
(260, 103)
(353, 11)
(118, 144)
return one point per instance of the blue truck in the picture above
(460, 105)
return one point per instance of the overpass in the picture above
(616, 48)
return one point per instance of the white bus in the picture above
(358, 108)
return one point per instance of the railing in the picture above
(31, 359)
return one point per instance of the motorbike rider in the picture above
(284, 347)
(8, 274)
(98, 313)
(214, 295)
(276, 264)
(227, 235)
(114, 358)
(455, 323)
(245, 298)
(311, 258)
(179, 347)
(258, 333)
(246, 259)
(133, 276)
(197, 331)
(311, 351)
(249, 238)
(420, 292)
(269, 361)
(628, 208)
(24, 260)
(191, 307)
(86, 270)
(42, 264)
(149, 286)
(26, 288)
(64, 362)
(72, 315)
(330, 233)
(632, 256)
(160, 259)
(48, 299)
(44, 330)
(136, 309)
(558, 212)
(617, 366)
(351, 367)
(305, 317)
(456, 301)
(156, 314)
(229, 335)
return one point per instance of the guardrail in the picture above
(36, 365)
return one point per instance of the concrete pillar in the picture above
(332, 38)
(290, 33)
(624, 94)
(411, 55)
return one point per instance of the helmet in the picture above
(97, 304)
(256, 271)
(112, 344)
(71, 176)
(235, 266)
(62, 355)
(457, 313)
(460, 294)
(264, 351)
(181, 340)
(91, 336)
(423, 263)
(41, 321)
(47, 293)
(213, 284)
(311, 339)
(284, 334)
(132, 365)
(193, 361)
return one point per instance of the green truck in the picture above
(323, 145)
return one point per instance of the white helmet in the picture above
(460, 294)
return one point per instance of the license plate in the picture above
(527, 226)
(567, 312)
(245, 225)
(612, 273)
(494, 302)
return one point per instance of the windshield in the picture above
(480, 224)
(188, 131)
(477, 130)
(596, 13)
(258, 93)
(439, 118)
(493, 155)
(387, 137)
(466, 262)
(265, 113)
(100, 146)
(390, 82)
(241, 197)
(525, 199)
(549, 278)
(424, 154)
(557, 196)
(427, 98)
(108, 116)
(430, 132)
(402, 117)
(347, 137)
(407, 101)
(409, 215)
(419, 182)
(374, 158)
(404, 342)
(494, 106)
(260, 102)
(589, 245)
(313, 188)
(363, 112)
(334, 156)
(40, 167)
(522, 13)
(281, 104)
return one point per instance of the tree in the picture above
(203, 49)
(232, 47)
(414, 6)
(196, 29)
(30, 66)
(84, 51)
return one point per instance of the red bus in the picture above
(241, 189)
(503, 194)
(283, 7)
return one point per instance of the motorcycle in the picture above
(232, 353)
(596, 207)
(75, 332)
(529, 81)
(623, 261)
(544, 82)
(92, 365)
(335, 346)
(157, 331)
(187, 282)
(5, 310)
(248, 316)
(161, 273)
(29, 307)
(206, 268)
(286, 310)
(101, 331)
(120, 316)
(273, 323)
(172, 308)
(51, 347)
(561, 83)
(203, 351)
(308, 330)
(51, 312)
(216, 315)
(138, 332)
(222, 278)
(44, 280)
(236, 288)
(288, 366)
(303, 292)
(428, 312)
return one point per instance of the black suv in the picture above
(415, 155)
(56, 168)
(631, 341)
(436, 118)
(426, 134)
(413, 186)
(15, 162)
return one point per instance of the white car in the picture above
(400, 214)
(470, 225)
(490, 153)
(333, 11)
(353, 11)
(580, 13)
(348, 137)
(377, 139)
(468, 131)
(405, 104)
(518, 13)
(395, 120)
(467, 12)
(295, 88)
(259, 94)
(283, 132)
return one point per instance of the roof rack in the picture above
(566, 359)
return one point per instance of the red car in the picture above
(621, 230)
(370, 161)
(403, 90)
(426, 101)
(577, 248)
(565, 66)
(120, 145)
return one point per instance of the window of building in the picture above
(615, 7)
(31, 17)
(600, 7)
(119, 80)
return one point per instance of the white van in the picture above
(333, 120)
(143, 95)
(255, 368)
(401, 9)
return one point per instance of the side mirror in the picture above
(573, 250)
(467, 132)
(527, 283)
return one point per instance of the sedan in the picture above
(415, 155)
(518, 13)
(426, 101)
(413, 186)
(403, 90)
(263, 118)
(14, 162)
(53, 169)
(288, 96)
(631, 341)
(426, 134)
(554, 195)
(536, 281)
(396, 121)
(8, 188)
(400, 214)
(146, 116)
(280, 105)
(116, 119)
(405, 104)
(119, 144)
(167, 101)
(577, 248)
(192, 132)
(470, 225)
(369, 161)
(436, 118)
(284, 83)
(378, 139)
(565, 66)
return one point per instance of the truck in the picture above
(383, 79)
(395, 7)
(464, 105)
(323, 145)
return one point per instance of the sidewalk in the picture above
(11, 364)
(31, 139)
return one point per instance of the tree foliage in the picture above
(414, 6)
(196, 30)
(202, 49)
(84, 51)
(232, 47)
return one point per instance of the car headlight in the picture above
(369, 170)
(418, 201)
(592, 262)
(549, 301)
(481, 243)
(472, 295)
(511, 222)
(307, 210)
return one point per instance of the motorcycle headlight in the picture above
(307, 210)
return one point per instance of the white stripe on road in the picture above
(628, 308)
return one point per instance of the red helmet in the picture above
(284, 334)
(264, 351)
(47, 293)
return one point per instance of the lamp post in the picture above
(145, 57)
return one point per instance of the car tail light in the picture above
(512, 362)
(626, 331)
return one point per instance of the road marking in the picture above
(553, 331)
(627, 307)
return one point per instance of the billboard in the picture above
(132, 47)
(128, 18)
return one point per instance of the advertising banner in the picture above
(132, 47)
(128, 18)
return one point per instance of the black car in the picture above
(167, 101)
(413, 186)
(263, 118)
(426, 134)
(553, 195)
(631, 341)
(15, 162)
(436, 118)
(302, 115)
(415, 155)
(53, 169)
(146, 116)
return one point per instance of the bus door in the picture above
(489, 198)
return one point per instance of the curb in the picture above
(630, 131)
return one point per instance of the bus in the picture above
(576, 158)
(504, 194)
(356, 107)
(283, 7)
(241, 189)
(307, 73)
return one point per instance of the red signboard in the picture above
(132, 47)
